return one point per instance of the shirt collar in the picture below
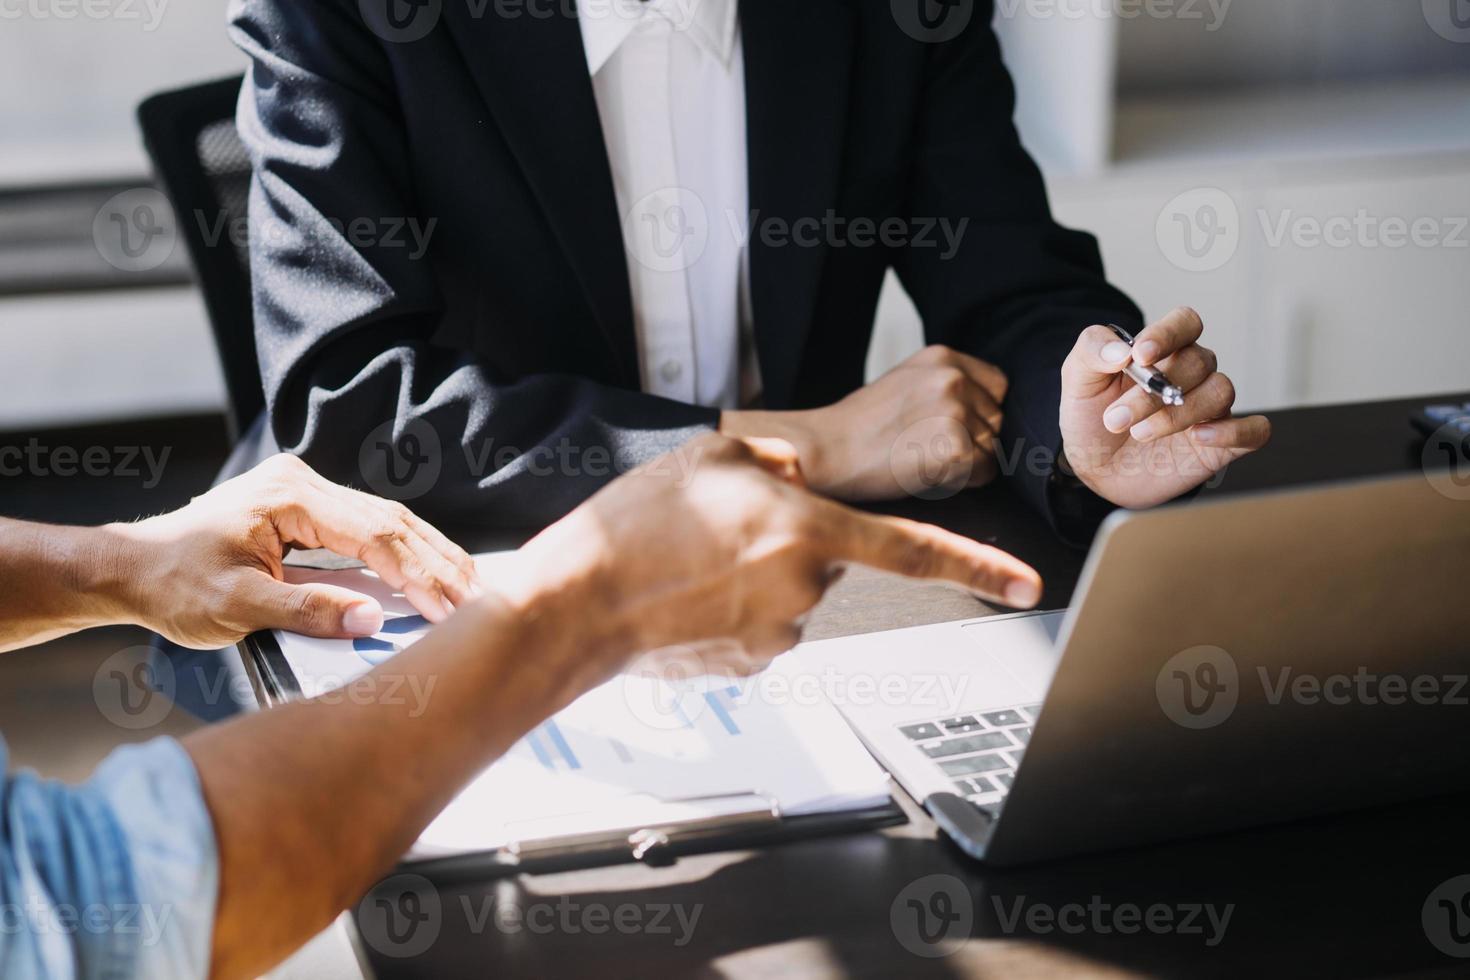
(606, 24)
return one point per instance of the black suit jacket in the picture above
(504, 359)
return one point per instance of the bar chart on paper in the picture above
(706, 739)
(639, 745)
(683, 733)
(396, 635)
(548, 743)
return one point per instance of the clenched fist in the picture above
(929, 425)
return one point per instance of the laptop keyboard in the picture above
(979, 752)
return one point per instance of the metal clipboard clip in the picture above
(647, 841)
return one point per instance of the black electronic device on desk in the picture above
(1448, 418)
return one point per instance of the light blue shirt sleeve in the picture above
(113, 879)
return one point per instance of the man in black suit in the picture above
(504, 249)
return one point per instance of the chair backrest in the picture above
(204, 170)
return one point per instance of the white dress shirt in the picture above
(669, 79)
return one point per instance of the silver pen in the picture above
(1151, 380)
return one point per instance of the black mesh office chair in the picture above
(203, 169)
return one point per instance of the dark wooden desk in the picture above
(1341, 897)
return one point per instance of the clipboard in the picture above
(753, 819)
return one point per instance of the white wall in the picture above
(93, 356)
(1289, 114)
(69, 84)
(1272, 42)
(1101, 104)
(70, 81)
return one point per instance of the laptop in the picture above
(1223, 664)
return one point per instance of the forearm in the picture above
(470, 451)
(58, 580)
(314, 801)
(1018, 288)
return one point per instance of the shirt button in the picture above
(671, 371)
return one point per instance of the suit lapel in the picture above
(798, 61)
(532, 73)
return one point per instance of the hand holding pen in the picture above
(1150, 379)
(1147, 418)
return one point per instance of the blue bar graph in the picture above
(404, 624)
(376, 649)
(721, 703)
(541, 754)
(559, 740)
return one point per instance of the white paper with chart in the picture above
(636, 751)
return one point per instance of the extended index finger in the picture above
(918, 550)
